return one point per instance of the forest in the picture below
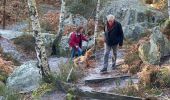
(84, 49)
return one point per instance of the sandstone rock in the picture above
(131, 13)
(158, 47)
(25, 78)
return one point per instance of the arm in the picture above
(121, 35)
(83, 37)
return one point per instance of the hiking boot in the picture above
(113, 66)
(103, 70)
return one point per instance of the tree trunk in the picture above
(96, 23)
(169, 8)
(60, 29)
(4, 14)
(39, 47)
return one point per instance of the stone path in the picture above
(106, 83)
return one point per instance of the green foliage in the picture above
(44, 88)
(166, 29)
(8, 94)
(165, 76)
(3, 76)
(65, 69)
(148, 1)
(129, 59)
(27, 42)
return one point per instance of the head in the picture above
(110, 19)
(80, 29)
(74, 27)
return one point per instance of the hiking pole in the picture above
(68, 77)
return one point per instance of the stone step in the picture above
(99, 80)
(105, 96)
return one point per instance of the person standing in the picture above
(75, 41)
(113, 38)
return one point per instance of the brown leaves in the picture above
(85, 61)
(149, 75)
(6, 66)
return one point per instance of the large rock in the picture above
(25, 78)
(131, 13)
(158, 47)
(76, 20)
(134, 32)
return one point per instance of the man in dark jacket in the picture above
(113, 37)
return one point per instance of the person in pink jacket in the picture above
(75, 41)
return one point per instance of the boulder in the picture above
(76, 20)
(158, 47)
(134, 31)
(131, 13)
(25, 78)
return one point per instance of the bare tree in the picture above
(169, 8)
(4, 14)
(96, 23)
(60, 29)
(39, 47)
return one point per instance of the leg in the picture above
(106, 57)
(114, 57)
(80, 51)
(72, 53)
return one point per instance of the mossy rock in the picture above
(166, 29)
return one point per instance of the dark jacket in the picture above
(114, 36)
(76, 40)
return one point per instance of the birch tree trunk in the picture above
(96, 23)
(169, 8)
(39, 47)
(60, 29)
(4, 14)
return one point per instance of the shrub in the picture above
(166, 29)
(65, 70)
(8, 94)
(8, 57)
(132, 61)
(42, 90)
(165, 76)
(149, 76)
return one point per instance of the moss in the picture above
(44, 88)
(165, 76)
(166, 28)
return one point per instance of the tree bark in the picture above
(60, 29)
(96, 23)
(39, 47)
(4, 14)
(169, 8)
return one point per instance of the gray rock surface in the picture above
(25, 78)
(157, 48)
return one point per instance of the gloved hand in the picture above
(89, 39)
(77, 46)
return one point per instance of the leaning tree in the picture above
(60, 29)
(39, 47)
